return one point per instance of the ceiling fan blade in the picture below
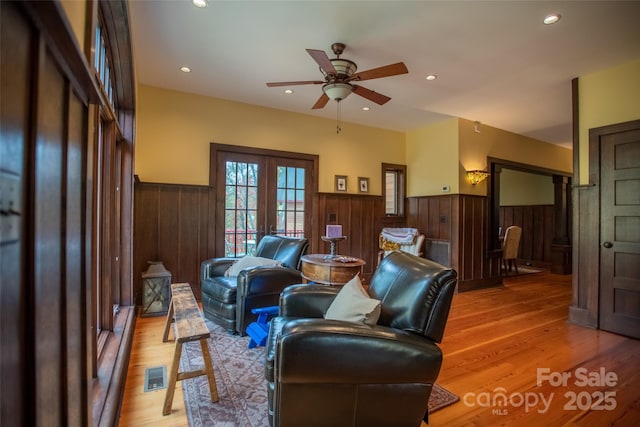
(321, 102)
(306, 82)
(376, 97)
(386, 71)
(320, 56)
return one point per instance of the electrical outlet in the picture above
(446, 189)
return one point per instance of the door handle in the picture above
(607, 245)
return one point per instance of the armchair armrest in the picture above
(310, 301)
(215, 267)
(352, 353)
(266, 280)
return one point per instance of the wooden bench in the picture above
(189, 326)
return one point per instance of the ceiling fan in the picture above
(340, 74)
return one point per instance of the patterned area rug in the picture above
(241, 384)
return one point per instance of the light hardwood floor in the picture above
(495, 342)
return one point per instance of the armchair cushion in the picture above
(247, 262)
(353, 304)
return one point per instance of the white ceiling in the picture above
(495, 60)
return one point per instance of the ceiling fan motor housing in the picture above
(344, 67)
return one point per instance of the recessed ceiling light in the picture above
(551, 19)
(199, 3)
(366, 108)
(288, 91)
(431, 77)
(185, 69)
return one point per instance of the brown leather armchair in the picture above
(335, 373)
(227, 301)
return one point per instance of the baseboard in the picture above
(472, 285)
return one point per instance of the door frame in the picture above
(562, 207)
(216, 148)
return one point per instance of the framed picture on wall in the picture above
(341, 183)
(363, 184)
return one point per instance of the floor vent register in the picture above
(155, 378)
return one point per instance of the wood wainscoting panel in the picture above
(361, 218)
(170, 225)
(458, 223)
(437, 218)
(173, 222)
(434, 216)
(537, 222)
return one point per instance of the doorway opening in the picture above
(546, 230)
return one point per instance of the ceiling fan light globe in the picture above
(337, 91)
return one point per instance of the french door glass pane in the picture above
(290, 204)
(241, 180)
(261, 195)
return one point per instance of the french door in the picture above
(259, 194)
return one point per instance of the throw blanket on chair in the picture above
(392, 238)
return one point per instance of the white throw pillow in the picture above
(353, 304)
(250, 262)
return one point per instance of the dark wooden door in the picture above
(620, 231)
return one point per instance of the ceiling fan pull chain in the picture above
(339, 118)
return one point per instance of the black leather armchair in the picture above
(334, 373)
(228, 301)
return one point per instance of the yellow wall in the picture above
(174, 130)
(432, 159)
(76, 14)
(440, 154)
(475, 147)
(522, 189)
(605, 98)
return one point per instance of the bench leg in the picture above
(208, 368)
(173, 377)
(169, 321)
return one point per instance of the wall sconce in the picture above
(476, 176)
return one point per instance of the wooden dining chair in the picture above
(510, 247)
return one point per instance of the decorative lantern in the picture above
(156, 283)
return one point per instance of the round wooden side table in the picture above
(335, 270)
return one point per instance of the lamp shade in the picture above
(337, 91)
(476, 176)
